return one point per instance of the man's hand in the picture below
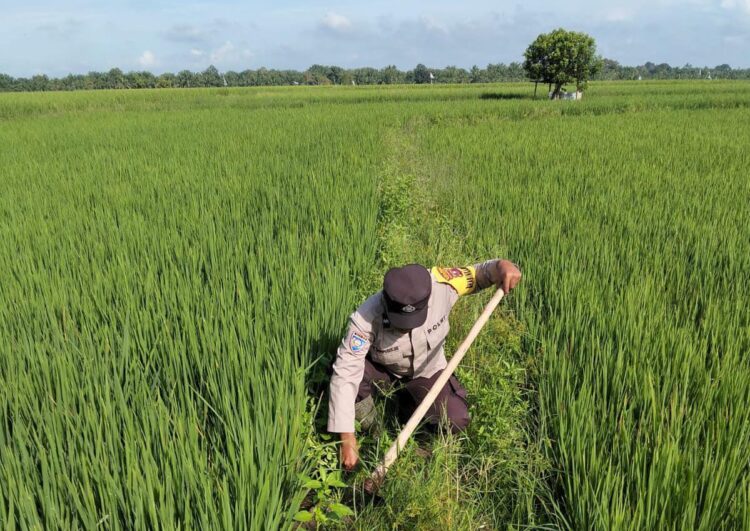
(508, 275)
(349, 451)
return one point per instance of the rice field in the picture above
(176, 264)
(633, 229)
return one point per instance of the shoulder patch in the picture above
(357, 342)
(461, 279)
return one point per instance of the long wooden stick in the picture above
(376, 478)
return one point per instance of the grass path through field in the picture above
(493, 474)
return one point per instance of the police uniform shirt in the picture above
(416, 353)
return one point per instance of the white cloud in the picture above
(63, 29)
(734, 40)
(147, 58)
(336, 22)
(186, 33)
(736, 4)
(619, 14)
(433, 24)
(222, 52)
(226, 54)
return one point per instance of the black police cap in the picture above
(406, 291)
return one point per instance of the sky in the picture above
(57, 37)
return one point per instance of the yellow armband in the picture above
(462, 279)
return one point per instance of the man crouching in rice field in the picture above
(398, 335)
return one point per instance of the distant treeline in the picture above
(328, 75)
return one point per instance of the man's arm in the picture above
(470, 279)
(501, 273)
(348, 370)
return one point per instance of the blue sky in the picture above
(60, 37)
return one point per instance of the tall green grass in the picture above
(173, 261)
(634, 233)
(166, 279)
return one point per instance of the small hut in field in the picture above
(563, 95)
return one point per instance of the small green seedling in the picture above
(326, 508)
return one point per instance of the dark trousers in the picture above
(451, 400)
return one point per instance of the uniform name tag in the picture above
(387, 350)
(431, 329)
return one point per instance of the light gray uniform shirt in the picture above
(417, 353)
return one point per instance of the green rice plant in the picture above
(632, 227)
(174, 262)
(167, 278)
